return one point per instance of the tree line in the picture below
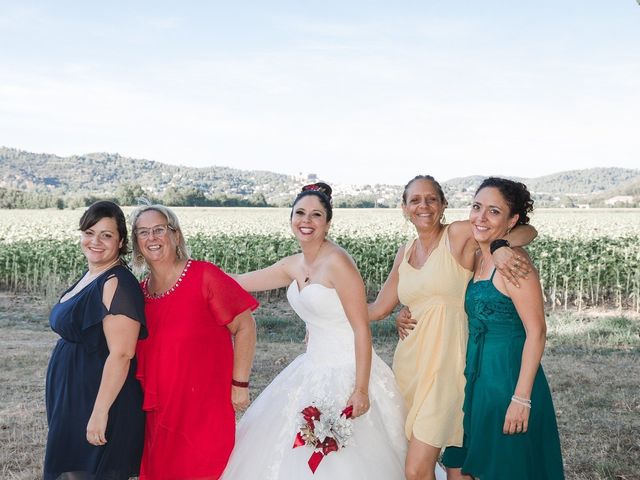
(128, 194)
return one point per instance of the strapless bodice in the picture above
(330, 336)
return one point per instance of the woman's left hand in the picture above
(404, 322)
(360, 402)
(239, 398)
(96, 429)
(516, 420)
(511, 265)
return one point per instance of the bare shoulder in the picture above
(527, 285)
(288, 262)
(460, 230)
(109, 290)
(339, 257)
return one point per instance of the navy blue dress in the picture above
(73, 380)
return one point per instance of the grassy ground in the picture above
(592, 362)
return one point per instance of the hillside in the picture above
(35, 180)
(572, 188)
(103, 174)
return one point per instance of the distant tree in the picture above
(13, 198)
(194, 197)
(185, 197)
(128, 194)
(173, 197)
(258, 200)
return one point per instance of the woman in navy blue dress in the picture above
(94, 402)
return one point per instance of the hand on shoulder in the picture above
(525, 284)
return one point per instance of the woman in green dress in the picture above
(510, 429)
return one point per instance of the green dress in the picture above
(494, 354)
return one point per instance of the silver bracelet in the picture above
(522, 401)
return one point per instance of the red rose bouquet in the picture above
(325, 429)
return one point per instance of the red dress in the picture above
(185, 368)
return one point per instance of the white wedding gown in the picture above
(265, 435)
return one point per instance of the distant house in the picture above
(619, 199)
(306, 177)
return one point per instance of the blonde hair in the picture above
(138, 262)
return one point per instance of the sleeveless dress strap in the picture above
(407, 249)
(492, 274)
(445, 238)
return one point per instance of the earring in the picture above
(443, 220)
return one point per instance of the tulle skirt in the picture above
(266, 433)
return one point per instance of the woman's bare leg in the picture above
(421, 460)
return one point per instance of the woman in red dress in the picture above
(194, 367)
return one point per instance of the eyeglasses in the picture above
(158, 231)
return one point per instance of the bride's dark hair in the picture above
(320, 190)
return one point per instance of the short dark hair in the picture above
(106, 209)
(443, 199)
(515, 194)
(320, 190)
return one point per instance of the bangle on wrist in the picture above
(499, 243)
(521, 401)
(236, 383)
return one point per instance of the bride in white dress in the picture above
(325, 289)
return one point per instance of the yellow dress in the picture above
(429, 363)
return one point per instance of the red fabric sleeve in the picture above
(225, 297)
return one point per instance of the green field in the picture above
(586, 258)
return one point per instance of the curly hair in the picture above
(515, 194)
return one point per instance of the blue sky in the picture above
(362, 92)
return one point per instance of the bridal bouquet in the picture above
(323, 427)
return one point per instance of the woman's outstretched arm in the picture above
(275, 276)
(387, 298)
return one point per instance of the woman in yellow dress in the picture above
(430, 276)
